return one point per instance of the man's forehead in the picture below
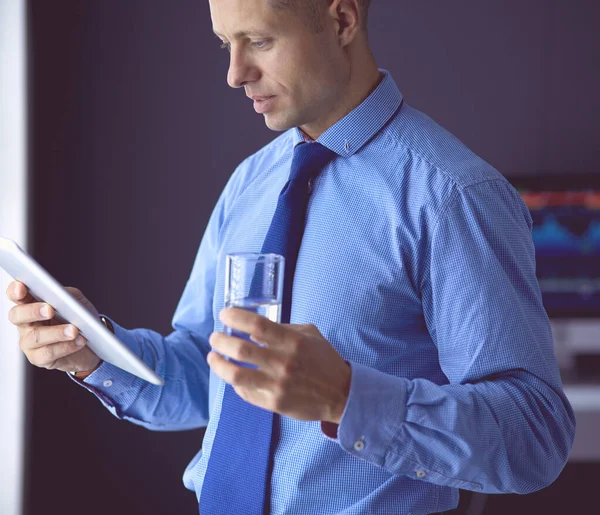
(244, 18)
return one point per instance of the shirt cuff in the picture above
(375, 409)
(108, 382)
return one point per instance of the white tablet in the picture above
(22, 267)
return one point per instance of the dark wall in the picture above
(134, 132)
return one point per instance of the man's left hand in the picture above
(299, 373)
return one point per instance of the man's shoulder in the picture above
(266, 158)
(415, 133)
(260, 164)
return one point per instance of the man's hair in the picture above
(312, 10)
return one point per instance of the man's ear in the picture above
(347, 17)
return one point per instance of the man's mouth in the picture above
(263, 104)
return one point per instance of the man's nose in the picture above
(241, 70)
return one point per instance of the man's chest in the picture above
(355, 276)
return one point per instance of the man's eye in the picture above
(259, 44)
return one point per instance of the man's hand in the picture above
(299, 373)
(45, 341)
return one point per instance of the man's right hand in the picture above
(45, 341)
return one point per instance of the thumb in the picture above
(79, 296)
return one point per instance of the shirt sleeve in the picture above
(179, 358)
(503, 423)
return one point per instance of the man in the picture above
(418, 358)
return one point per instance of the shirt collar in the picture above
(351, 133)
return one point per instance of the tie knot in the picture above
(309, 159)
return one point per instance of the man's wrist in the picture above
(83, 375)
(107, 323)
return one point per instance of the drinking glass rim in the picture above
(257, 256)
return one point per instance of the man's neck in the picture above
(306, 137)
(364, 85)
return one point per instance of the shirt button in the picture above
(359, 445)
(107, 383)
(310, 186)
(347, 146)
(421, 474)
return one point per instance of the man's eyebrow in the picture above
(243, 34)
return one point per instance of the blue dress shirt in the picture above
(417, 265)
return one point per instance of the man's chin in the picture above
(277, 123)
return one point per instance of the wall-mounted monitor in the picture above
(566, 233)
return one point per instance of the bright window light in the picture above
(13, 223)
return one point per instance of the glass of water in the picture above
(254, 282)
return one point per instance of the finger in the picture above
(251, 385)
(260, 329)
(48, 355)
(40, 335)
(233, 374)
(18, 293)
(30, 313)
(240, 350)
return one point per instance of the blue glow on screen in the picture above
(566, 235)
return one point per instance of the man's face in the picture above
(293, 75)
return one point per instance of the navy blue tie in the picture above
(236, 480)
